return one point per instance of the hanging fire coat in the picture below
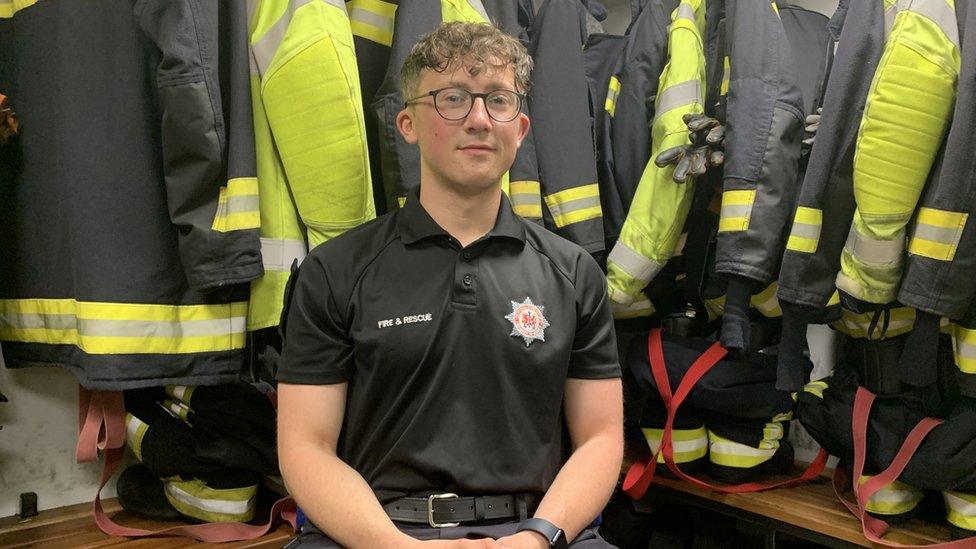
(130, 192)
(657, 214)
(312, 158)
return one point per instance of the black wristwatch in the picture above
(553, 534)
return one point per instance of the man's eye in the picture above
(499, 100)
(453, 98)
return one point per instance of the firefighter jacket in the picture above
(122, 204)
(563, 131)
(313, 167)
(942, 249)
(399, 161)
(657, 214)
(905, 118)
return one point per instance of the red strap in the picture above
(101, 423)
(873, 528)
(641, 474)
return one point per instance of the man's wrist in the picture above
(552, 534)
(537, 537)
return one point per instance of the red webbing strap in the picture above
(641, 474)
(873, 528)
(101, 426)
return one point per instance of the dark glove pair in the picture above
(705, 150)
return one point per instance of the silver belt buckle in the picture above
(430, 511)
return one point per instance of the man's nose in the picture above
(478, 118)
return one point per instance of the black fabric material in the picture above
(417, 327)
(735, 320)
(919, 361)
(140, 492)
(873, 361)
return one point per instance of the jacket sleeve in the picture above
(904, 122)
(657, 215)
(765, 126)
(207, 136)
(314, 109)
(564, 143)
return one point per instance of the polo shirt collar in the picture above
(414, 223)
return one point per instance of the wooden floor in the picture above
(73, 526)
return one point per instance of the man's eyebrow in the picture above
(491, 85)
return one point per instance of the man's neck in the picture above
(466, 217)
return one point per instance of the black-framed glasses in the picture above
(456, 103)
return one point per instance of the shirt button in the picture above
(466, 256)
(467, 280)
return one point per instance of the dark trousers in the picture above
(312, 538)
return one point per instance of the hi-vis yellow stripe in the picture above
(9, 7)
(729, 453)
(135, 431)
(766, 301)
(775, 7)
(688, 444)
(900, 321)
(964, 348)
(962, 509)
(124, 328)
(372, 20)
(238, 206)
(937, 233)
(805, 234)
(526, 197)
(575, 205)
(894, 499)
(726, 77)
(612, 93)
(736, 209)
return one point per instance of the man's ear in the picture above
(523, 122)
(404, 123)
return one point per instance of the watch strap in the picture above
(553, 534)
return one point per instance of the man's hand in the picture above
(524, 540)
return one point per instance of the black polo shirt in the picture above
(456, 358)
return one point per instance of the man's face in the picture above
(467, 155)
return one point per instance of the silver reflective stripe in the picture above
(735, 210)
(372, 19)
(875, 252)
(279, 254)
(680, 445)
(633, 263)
(960, 505)
(938, 11)
(243, 204)
(525, 199)
(90, 327)
(685, 11)
(805, 230)
(265, 48)
(894, 496)
(480, 8)
(965, 350)
(889, 20)
(731, 448)
(573, 205)
(227, 507)
(29, 321)
(942, 235)
(675, 96)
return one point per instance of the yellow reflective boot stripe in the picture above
(195, 499)
(373, 20)
(613, 92)
(729, 453)
(766, 301)
(575, 205)
(238, 206)
(182, 393)
(177, 409)
(815, 388)
(964, 348)
(805, 233)
(961, 508)
(937, 233)
(715, 306)
(639, 308)
(905, 116)
(736, 210)
(265, 47)
(894, 499)
(526, 197)
(124, 328)
(135, 431)
(280, 253)
(9, 7)
(688, 444)
(858, 325)
(726, 76)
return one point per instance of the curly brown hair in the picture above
(479, 46)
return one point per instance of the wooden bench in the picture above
(809, 512)
(73, 526)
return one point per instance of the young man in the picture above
(435, 357)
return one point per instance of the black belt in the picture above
(448, 510)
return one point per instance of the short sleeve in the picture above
(317, 348)
(594, 354)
